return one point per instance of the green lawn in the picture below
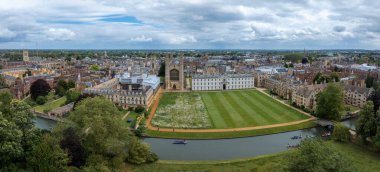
(51, 105)
(245, 108)
(362, 159)
(133, 115)
(225, 109)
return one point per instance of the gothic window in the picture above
(174, 75)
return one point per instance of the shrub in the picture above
(341, 133)
(139, 109)
(131, 108)
(41, 100)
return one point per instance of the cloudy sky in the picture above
(190, 24)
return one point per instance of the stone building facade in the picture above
(174, 75)
(222, 82)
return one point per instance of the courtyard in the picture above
(222, 110)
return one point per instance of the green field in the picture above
(225, 109)
(232, 109)
(362, 159)
(51, 105)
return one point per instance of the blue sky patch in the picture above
(121, 19)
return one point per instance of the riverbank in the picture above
(363, 159)
(224, 135)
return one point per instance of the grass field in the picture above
(51, 105)
(181, 110)
(228, 109)
(362, 159)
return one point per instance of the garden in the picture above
(181, 110)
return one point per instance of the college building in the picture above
(128, 90)
(222, 82)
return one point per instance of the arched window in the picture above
(174, 75)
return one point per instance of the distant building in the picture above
(25, 56)
(222, 82)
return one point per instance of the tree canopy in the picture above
(39, 88)
(315, 155)
(17, 131)
(105, 142)
(330, 102)
(366, 125)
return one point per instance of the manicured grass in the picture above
(220, 135)
(362, 159)
(51, 105)
(133, 116)
(227, 109)
(247, 108)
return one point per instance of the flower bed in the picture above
(181, 110)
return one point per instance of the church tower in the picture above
(78, 83)
(25, 55)
(174, 77)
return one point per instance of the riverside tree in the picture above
(17, 132)
(315, 155)
(330, 102)
(366, 125)
(341, 133)
(106, 141)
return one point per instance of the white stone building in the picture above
(222, 82)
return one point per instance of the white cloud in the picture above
(181, 39)
(142, 38)
(60, 34)
(175, 23)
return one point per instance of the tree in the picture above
(48, 156)
(18, 133)
(369, 81)
(341, 133)
(286, 65)
(139, 109)
(39, 88)
(106, 139)
(161, 71)
(5, 101)
(95, 67)
(315, 155)
(70, 84)
(293, 57)
(304, 60)
(140, 153)
(375, 98)
(10, 142)
(334, 77)
(71, 143)
(41, 100)
(377, 138)
(72, 96)
(330, 102)
(61, 87)
(3, 84)
(366, 125)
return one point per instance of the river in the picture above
(221, 149)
